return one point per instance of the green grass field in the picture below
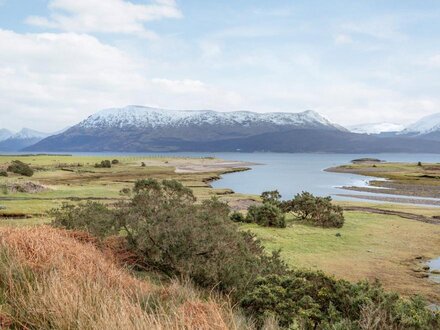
(369, 246)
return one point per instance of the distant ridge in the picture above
(145, 129)
(25, 138)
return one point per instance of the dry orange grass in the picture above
(51, 280)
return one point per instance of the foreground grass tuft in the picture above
(49, 280)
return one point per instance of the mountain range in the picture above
(17, 141)
(143, 129)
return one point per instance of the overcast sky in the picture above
(353, 61)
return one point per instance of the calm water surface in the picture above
(292, 173)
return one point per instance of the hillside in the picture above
(55, 279)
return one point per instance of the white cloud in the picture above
(181, 86)
(105, 16)
(49, 81)
(342, 39)
(434, 61)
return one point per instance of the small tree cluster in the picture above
(104, 164)
(267, 215)
(115, 161)
(319, 211)
(18, 167)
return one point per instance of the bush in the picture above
(237, 217)
(3, 173)
(92, 217)
(267, 215)
(312, 300)
(171, 233)
(104, 164)
(115, 161)
(319, 211)
(21, 168)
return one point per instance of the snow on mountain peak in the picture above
(27, 133)
(138, 116)
(5, 134)
(375, 128)
(425, 125)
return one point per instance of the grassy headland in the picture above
(406, 179)
(64, 178)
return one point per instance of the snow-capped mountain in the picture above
(139, 128)
(145, 117)
(426, 125)
(27, 133)
(22, 139)
(5, 134)
(142, 129)
(375, 128)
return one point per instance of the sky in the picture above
(363, 61)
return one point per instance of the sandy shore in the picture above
(200, 165)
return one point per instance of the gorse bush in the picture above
(172, 234)
(92, 217)
(318, 211)
(267, 215)
(18, 167)
(237, 217)
(312, 300)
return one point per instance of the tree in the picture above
(319, 211)
(272, 197)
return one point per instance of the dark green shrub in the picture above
(93, 217)
(319, 211)
(237, 217)
(21, 168)
(179, 237)
(104, 164)
(312, 300)
(268, 215)
(3, 173)
(115, 161)
(143, 164)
